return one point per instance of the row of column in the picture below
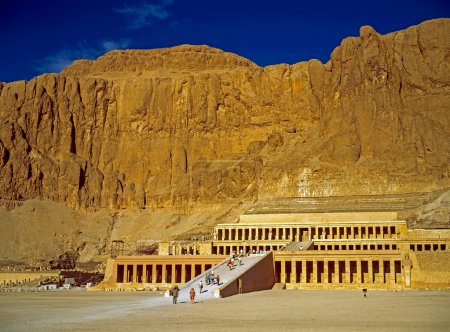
(428, 247)
(227, 249)
(240, 233)
(137, 273)
(344, 247)
(340, 271)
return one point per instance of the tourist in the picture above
(207, 279)
(218, 280)
(240, 261)
(174, 294)
(200, 286)
(192, 295)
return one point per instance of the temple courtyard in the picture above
(272, 310)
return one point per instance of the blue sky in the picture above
(45, 36)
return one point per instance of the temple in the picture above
(334, 243)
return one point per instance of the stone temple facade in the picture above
(338, 243)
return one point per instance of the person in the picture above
(200, 286)
(175, 291)
(218, 280)
(192, 295)
(240, 261)
(207, 278)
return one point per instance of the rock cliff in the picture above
(193, 124)
(190, 126)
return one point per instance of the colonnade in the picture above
(339, 271)
(227, 248)
(429, 246)
(158, 273)
(336, 246)
(246, 232)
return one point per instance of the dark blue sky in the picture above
(45, 36)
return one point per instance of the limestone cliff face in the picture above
(192, 124)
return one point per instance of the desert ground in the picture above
(275, 310)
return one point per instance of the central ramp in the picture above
(256, 272)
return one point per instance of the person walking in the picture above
(218, 280)
(175, 291)
(192, 295)
(200, 286)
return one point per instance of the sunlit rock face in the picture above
(193, 125)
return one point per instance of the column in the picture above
(172, 277)
(277, 233)
(381, 264)
(144, 273)
(263, 235)
(347, 271)
(358, 271)
(153, 273)
(370, 264)
(314, 271)
(392, 271)
(336, 272)
(382, 231)
(183, 273)
(297, 235)
(303, 274)
(291, 233)
(309, 233)
(203, 267)
(317, 232)
(192, 271)
(125, 269)
(345, 232)
(236, 234)
(256, 234)
(283, 272)
(325, 272)
(293, 272)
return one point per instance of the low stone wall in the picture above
(24, 276)
(260, 277)
(430, 270)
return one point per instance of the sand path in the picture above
(276, 310)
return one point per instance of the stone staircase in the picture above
(226, 276)
(298, 246)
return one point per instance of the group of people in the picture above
(209, 280)
(234, 257)
(175, 290)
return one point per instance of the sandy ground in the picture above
(275, 310)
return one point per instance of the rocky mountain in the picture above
(192, 126)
